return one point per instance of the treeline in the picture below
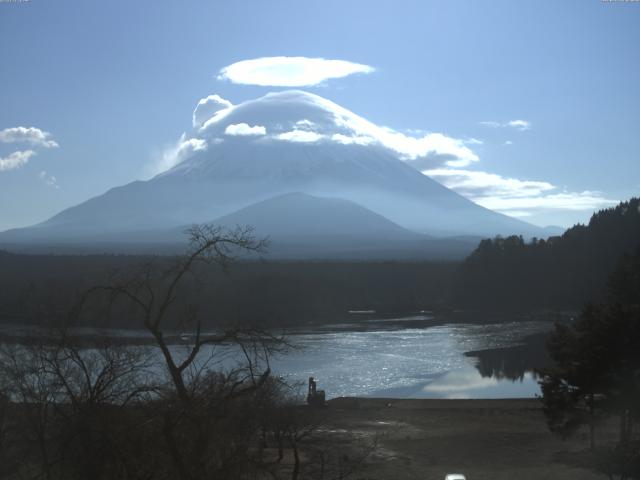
(133, 413)
(42, 289)
(594, 379)
(508, 274)
(558, 273)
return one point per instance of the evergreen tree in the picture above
(557, 273)
(597, 371)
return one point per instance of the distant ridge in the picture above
(299, 214)
(305, 226)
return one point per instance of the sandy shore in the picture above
(483, 439)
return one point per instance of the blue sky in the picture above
(115, 84)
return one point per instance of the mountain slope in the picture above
(301, 215)
(293, 142)
(304, 226)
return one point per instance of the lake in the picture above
(402, 361)
(414, 356)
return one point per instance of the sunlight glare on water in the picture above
(404, 363)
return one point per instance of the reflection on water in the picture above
(504, 372)
(469, 383)
(515, 362)
(408, 357)
(416, 362)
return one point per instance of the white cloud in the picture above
(31, 135)
(515, 197)
(300, 136)
(313, 118)
(289, 71)
(517, 124)
(432, 147)
(178, 152)
(442, 145)
(49, 180)
(507, 143)
(244, 129)
(435, 147)
(15, 160)
(352, 140)
(460, 381)
(302, 117)
(478, 183)
(586, 200)
(305, 124)
(207, 107)
(519, 213)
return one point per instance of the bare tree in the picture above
(66, 401)
(198, 402)
(204, 406)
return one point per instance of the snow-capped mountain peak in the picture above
(290, 141)
(296, 116)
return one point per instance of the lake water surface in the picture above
(404, 357)
(405, 362)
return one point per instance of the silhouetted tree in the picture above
(559, 273)
(204, 407)
(597, 370)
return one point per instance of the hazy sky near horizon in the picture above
(544, 94)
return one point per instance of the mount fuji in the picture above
(288, 149)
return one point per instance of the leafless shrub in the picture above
(206, 408)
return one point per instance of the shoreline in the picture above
(17, 333)
(432, 403)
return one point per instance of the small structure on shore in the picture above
(315, 398)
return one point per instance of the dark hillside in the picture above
(37, 289)
(557, 273)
